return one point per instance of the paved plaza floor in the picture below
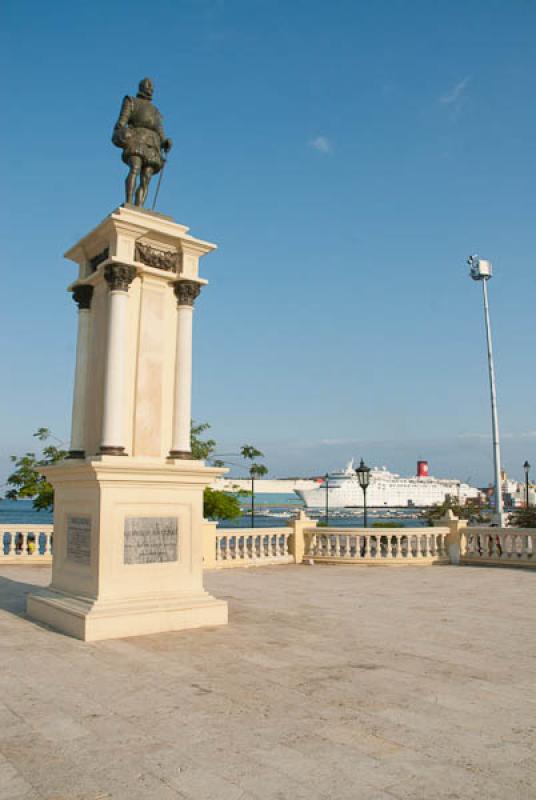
(329, 682)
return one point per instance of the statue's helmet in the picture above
(145, 89)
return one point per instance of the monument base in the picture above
(127, 549)
(93, 621)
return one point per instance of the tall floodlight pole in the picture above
(481, 270)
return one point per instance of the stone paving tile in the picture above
(12, 785)
(329, 683)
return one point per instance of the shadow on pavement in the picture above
(13, 595)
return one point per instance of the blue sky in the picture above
(346, 157)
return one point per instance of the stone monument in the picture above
(128, 506)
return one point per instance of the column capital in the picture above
(186, 291)
(119, 276)
(82, 295)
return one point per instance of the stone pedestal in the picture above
(129, 500)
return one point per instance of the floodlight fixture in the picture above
(479, 268)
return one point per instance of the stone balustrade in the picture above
(498, 546)
(28, 543)
(450, 542)
(242, 547)
(385, 546)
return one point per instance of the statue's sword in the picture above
(159, 182)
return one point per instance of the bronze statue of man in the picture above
(139, 133)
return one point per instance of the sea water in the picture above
(271, 511)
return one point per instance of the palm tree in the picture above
(255, 471)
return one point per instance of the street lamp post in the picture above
(363, 475)
(481, 270)
(526, 467)
(252, 499)
(326, 481)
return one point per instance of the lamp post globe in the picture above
(363, 476)
(526, 467)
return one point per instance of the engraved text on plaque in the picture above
(149, 540)
(79, 539)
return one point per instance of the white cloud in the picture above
(505, 435)
(322, 144)
(454, 94)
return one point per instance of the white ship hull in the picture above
(385, 489)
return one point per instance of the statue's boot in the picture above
(140, 196)
(130, 183)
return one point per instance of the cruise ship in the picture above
(385, 489)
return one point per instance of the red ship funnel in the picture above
(422, 469)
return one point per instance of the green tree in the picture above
(201, 448)
(27, 481)
(249, 452)
(524, 518)
(471, 510)
(220, 505)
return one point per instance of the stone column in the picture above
(82, 296)
(119, 277)
(185, 291)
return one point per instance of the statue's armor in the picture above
(139, 132)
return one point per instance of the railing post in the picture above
(209, 544)
(296, 544)
(456, 539)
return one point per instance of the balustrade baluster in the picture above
(525, 547)
(11, 544)
(364, 549)
(24, 548)
(423, 549)
(337, 545)
(516, 547)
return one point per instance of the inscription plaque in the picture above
(149, 540)
(79, 539)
